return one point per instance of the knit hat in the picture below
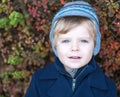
(77, 8)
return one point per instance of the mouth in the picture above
(74, 57)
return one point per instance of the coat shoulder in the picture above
(47, 72)
(101, 81)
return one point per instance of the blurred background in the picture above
(25, 46)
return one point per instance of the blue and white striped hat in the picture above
(77, 8)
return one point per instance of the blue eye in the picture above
(84, 41)
(65, 41)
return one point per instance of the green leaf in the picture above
(3, 7)
(2, 95)
(14, 60)
(18, 74)
(16, 18)
(4, 22)
(3, 1)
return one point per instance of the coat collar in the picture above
(96, 79)
(48, 72)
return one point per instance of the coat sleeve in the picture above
(32, 90)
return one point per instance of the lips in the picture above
(75, 57)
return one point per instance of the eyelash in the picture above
(65, 41)
(84, 41)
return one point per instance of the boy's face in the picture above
(75, 48)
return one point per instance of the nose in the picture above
(75, 47)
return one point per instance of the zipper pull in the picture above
(73, 84)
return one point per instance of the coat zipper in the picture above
(73, 84)
(74, 79)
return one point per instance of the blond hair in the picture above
(65, 24)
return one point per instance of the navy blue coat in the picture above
(54, 81)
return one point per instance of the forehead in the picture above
(79, 31)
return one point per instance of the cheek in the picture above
(89, 49)
(62, 48)
(59, 51)
(90, 52)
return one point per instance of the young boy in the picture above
(75, 39)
